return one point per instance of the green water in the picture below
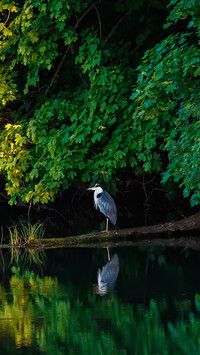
(50, 304)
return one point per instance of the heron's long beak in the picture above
(92, 188)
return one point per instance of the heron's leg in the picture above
(106, 230)
(108, 253)
(106, 224)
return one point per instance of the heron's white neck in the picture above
(96, 192)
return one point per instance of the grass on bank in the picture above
(25, 233)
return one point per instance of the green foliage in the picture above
(167, 95)
(75, 107)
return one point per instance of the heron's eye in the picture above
(97, 185)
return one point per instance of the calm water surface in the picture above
(50, 302)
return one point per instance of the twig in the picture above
(57, 70)
(7, 17)
(99, 19)
(59, 213)
(50, 28)
(115, 26)
(5, 196)
(1, 235)
(82, 17)
(76, 193)
(144, 188)
(178, 211)
(33, 109)
(85, 13)
(148, 182)
(152, 192)
(29, 210)
(80, 195)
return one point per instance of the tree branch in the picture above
(85, 13)
(99, 19)
(69, 47)
(7, 17)
(57, 70)
(115, 26)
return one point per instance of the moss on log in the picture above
(136, 234)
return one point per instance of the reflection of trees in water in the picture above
(24, 305)
(41, 313)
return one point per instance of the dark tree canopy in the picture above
(88, 88)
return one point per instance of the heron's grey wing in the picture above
(108, 207)
(110, 271)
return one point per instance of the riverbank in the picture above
(166, 234)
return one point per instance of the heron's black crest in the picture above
(97, 185)
(99, 195)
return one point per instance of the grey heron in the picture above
(105, 203)
(107, 276)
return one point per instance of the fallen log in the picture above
(134, 234)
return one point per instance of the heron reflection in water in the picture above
(107, 276)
